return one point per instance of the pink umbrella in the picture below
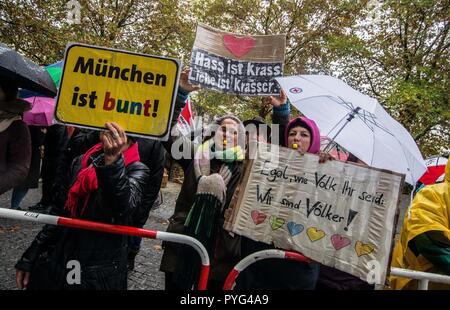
(41, 113)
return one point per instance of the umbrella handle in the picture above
(328, 147)
(351, 116)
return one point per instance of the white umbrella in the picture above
(357, 122)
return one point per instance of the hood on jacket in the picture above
(311, 126)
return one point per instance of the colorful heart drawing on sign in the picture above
(238, 46)
(276, 222)
(363, 249)
(339, 241)
(294, 228)
(315, 234)
(258, 217)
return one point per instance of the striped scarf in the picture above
(203, 219)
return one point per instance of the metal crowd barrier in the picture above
(423, 277)
(247, 261)
(117, 229)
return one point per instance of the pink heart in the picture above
(258, 217)
(339, 241)
(238, 46)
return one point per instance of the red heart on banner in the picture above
(238, 46)
(339, 241)
(258, 217)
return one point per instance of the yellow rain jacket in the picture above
(430, 211)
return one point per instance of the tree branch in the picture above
(366, 73)
(429, 127)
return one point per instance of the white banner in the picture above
(341, 215)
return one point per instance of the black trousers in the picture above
(55, 143)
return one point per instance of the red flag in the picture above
(186, 119)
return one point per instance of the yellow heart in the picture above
(363, 249)
(315, 234)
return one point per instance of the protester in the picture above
(32, 180)
(257, 129)
(55, 142)
(153, 156)
(151, 153)
(302, 134)
(424, 243)
(108, 184)
(15, 141)
(209, 183)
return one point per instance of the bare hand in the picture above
(22, 279)
(324, 157)
(114, 142)
(277, 101)
(184, 82)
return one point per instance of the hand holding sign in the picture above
(184, 82)
(280, 100)
(114, 142)
(324, 157)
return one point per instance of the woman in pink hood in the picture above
(303, 134)
(300, 133)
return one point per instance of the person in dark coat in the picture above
(55, 142)
(32, 179)
(15, 141)
(107, 185)
(209, 182)
(257, 129)
(152, 155)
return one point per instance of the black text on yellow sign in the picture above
(102, 85)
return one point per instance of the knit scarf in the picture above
(87, 182)
(229, 155)
(203, 219)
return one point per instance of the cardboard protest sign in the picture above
(341, 215)
(245, 65)
(100, 85)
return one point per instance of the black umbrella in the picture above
(24, 72)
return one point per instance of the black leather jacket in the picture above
(151, 152)
(102, 256)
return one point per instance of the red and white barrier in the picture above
(247, 261)
(423, 278)
(116, 229)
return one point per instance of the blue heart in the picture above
(294, 228)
